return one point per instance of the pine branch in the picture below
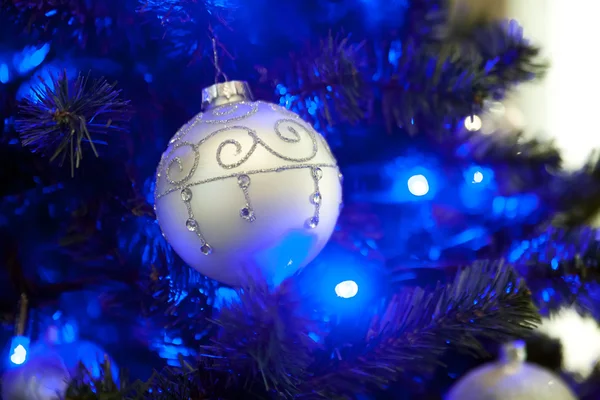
(62, 115)
(508, 57)
(175, 384)
(570, 252)
(436, 85)
(180, 311)
(84, 386)
(264, 349)
(520, 164)
(185, 24)
(183, 11)
(325, 82)
(264, 340)
(572, 198)
(562, 268)
(511, 148)
(427, 19)
(74, 22)
(424, 81)
(48, 16)
(185, 382)
(575, 197)
(486, 301)
(203, 382)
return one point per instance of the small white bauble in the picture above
(247, 187)
(511, 378)
(41, 377)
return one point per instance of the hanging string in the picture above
(218, 72)
(22, 316)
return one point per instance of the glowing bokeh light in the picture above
(18, 350)
(346, 289)
(19, 355)
(478, 177)
(473, 123)
(418, 185)
(4, 73)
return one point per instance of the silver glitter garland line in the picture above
(256, 141)
(252, 107)
(235, 175)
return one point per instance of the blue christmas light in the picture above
(515, 206)
(225, 296)
(30, 58)
(478, 176)
(70, 332)
(418, 185)
(19, 347)
(4, 73)
(346, 289)
(43, 76)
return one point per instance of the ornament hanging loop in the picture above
(218, 72)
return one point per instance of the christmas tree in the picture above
(126, 277)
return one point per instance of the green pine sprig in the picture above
(61, 115)
(263, 340)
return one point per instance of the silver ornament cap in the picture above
(513, 352)
(225, 93)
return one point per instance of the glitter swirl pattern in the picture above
(228, 113)
(178, 161)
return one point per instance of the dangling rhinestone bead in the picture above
(191, 225)
(206, 249)
(244, 181)
(317, 173)
(312, 222)
(247, 214)
(315, 198)
(186, 194)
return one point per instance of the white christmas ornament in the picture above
(41, 377)
(511, 378)
(247, 186)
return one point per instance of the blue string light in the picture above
(19, 347)
(346, 289)
(418, 185)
